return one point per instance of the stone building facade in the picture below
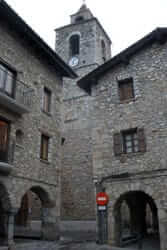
(30, 123)
(129, 135)
(84, 45)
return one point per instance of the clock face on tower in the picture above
(74, 61)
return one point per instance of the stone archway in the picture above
(137, 202)
(35, 210)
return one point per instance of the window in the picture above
(47, 100)
(19, 136)
(126, 91)
(6, 80)
(79, 19)
(4, 137)
(103, 48)
(74, 45)
(129, 141)
(44, 147)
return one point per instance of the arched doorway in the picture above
(136, 220)
(28, 221)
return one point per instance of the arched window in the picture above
(79, 19)
(74, 45)
(103, 49)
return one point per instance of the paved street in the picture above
(44, 245)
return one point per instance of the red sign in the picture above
(102, 199)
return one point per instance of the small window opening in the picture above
(47, 100)
(44, 152)
(103, 48)
(19, 137)
(79, 19)
(74, 45)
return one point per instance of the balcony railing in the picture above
(6, 160)
(20, 100)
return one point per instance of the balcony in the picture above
(6, 159)
(20, 101)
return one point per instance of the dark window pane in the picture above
(79, 19)
(74, 45)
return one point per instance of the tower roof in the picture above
(83, 12)
(83, 7)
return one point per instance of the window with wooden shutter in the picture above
(142, 140)
(126, 91)
(117, 143)
(44, 147)
(134, 141)
(130, 141)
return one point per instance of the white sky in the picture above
(125, 21)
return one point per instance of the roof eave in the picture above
(159, 35)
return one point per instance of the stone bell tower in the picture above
(84, 45)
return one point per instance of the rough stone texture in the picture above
(28, 170)
(77, 193)
(148, 111)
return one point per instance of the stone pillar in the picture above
(9, 227)
(162, 213)
(50, 225)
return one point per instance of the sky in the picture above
(125, 21)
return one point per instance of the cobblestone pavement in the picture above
(67, 244)
(41, 245)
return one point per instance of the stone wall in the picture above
(78, 190)
(28, 169)
(77, 193)
(147, 110)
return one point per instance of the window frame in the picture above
(103, 50)
(132, 133)
(47, 95)
(8, 71)
(74, 45)
(44, 155)
(123, 89)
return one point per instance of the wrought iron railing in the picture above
(15, 89)
(23, 94)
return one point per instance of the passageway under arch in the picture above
(136, 219)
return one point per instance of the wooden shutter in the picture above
(129, 90)
(141, 139)
(121, 92)
(117, 144)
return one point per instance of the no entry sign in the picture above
(102, 199)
